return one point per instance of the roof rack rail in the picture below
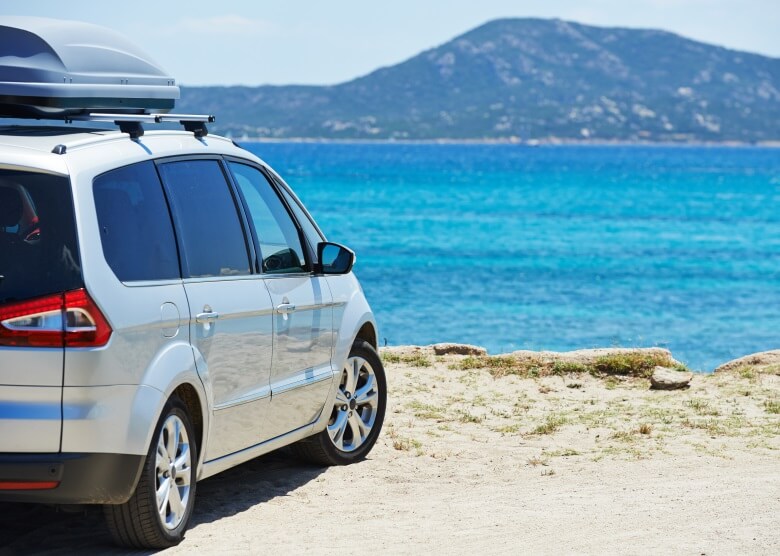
(132, 123)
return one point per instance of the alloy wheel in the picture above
(355, 409)
(173, 472)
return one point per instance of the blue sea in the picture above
(555, 247)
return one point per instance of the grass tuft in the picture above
(389, 357)
(406, 444)
(468, 417)
(630, 364)
(414, 359)
(566, 368)
(772, 406)
(747, 372)
(426, 411)
(551, 424)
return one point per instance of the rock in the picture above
(458, 349)
(664, 378)
(760, 361)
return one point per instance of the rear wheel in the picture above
(357, 414)
(158, 512)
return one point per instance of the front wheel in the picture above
(357, 413)
(158, 512)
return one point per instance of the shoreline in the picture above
(528, 143)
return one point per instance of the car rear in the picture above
(44, 309)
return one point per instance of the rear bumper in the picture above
(69, 478)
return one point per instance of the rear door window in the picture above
(211, 238)
(135, 225)
(38, 246)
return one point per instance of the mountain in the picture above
(528, 79)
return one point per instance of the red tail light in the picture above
(85, 325)
(71, 319)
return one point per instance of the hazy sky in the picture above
(256, 42)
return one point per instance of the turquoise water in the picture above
(559, 248)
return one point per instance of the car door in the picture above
(231, 311)
(301, 372)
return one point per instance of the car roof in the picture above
(43, 147)
(45, 138)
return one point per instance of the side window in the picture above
(135, 225)
(280, 244)
(211, 238)
(313, 235)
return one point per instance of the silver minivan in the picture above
(168, 310)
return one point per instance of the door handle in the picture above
(285, 308)
(208, 317)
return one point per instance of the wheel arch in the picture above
(187, 393)
(367, 332)
(174, 373)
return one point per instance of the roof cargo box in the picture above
(51, 68)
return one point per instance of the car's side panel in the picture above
(235, 354)
(146, 322)
(133, 410)
(301, 373)
(350, 312)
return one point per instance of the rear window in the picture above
(38, 249)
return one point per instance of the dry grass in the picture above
(550, 425)
(772, 406)
(645, 428)
(633, 364)
(412, 359)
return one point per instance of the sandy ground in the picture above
(473, 462)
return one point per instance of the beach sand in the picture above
(482, 460)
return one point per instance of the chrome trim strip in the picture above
(286, 387)
(262, 394)
(150, 283)
(267, 276)
(221, 278)
(247, 314)
(317, 306)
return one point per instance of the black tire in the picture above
(320, 448)
(137, 523)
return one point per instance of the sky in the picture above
(256, 42)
